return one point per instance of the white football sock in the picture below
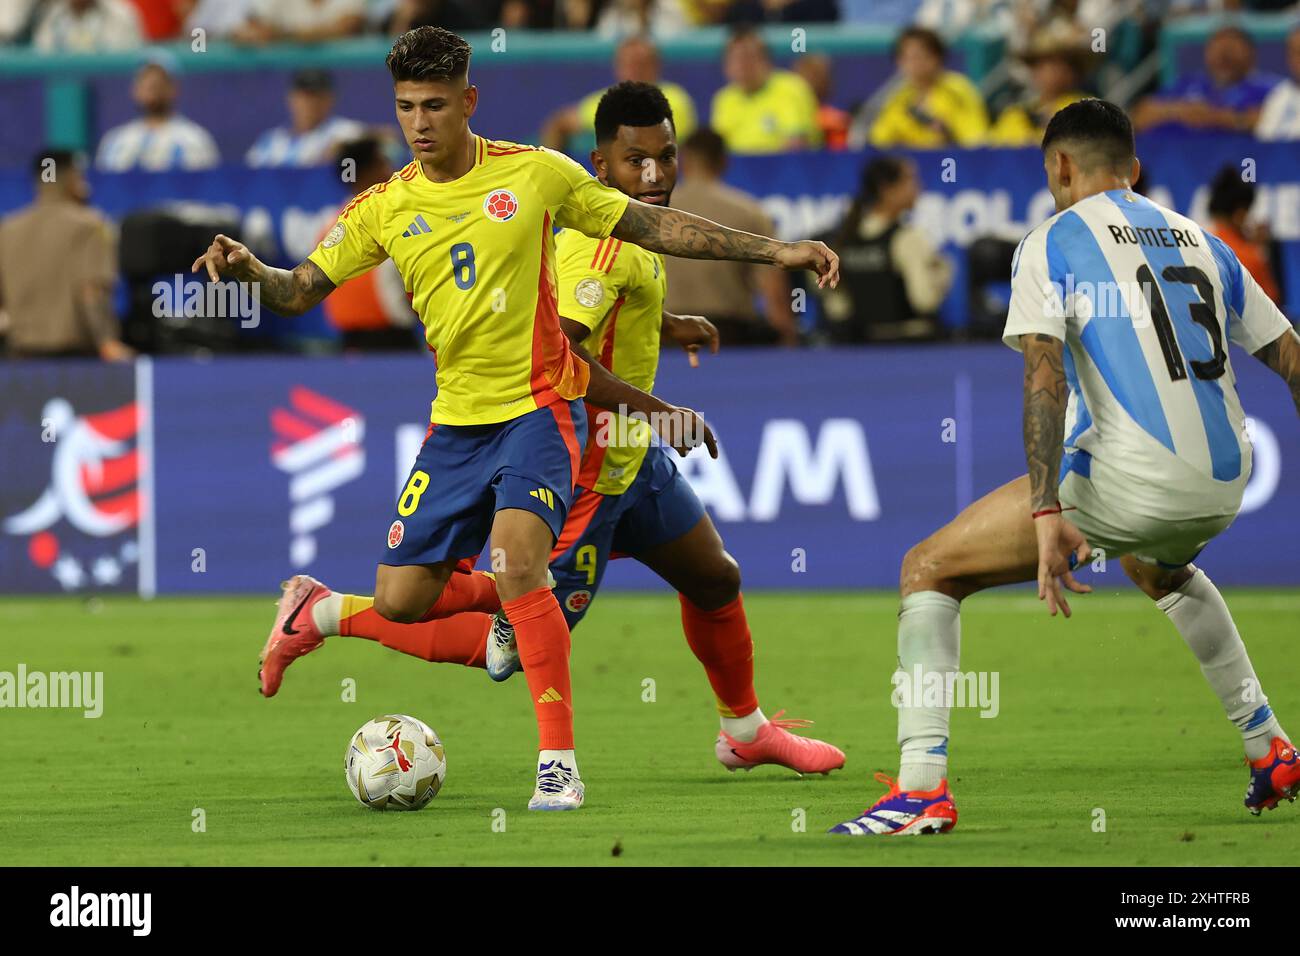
(325, 614)
(565, 757)
(929, 636)
(744, 729)
(1198, 611)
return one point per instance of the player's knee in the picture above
(1156, 582)
(519, 575)
(920, 570)
(718, 584)
(401, 608)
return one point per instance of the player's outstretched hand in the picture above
(683, 429)
(817, 256)
(227, 257)
(1061, 548)
(692, 332)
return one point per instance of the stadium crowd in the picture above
(1053, 58)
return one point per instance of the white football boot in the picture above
(558, 787)
(502, 651)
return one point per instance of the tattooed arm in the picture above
(1061, 546)
(1044, 415)
(1282, 355)
(282, 291)
(677, 233)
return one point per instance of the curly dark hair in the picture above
(429, 53)
(631, 104)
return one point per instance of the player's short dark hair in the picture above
(1098, 129)
(429, 53)
(63, 160)
(1229, 193)
(922, 35)
(631, 104)
(709, 146)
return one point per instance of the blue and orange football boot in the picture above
(904, 812)
(1273, 777)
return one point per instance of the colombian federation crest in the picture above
(396, 531)
(500, 205)
(576, 601)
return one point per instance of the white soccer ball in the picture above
(395, 762)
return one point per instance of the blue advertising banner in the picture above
(227, 476)
(967, 194)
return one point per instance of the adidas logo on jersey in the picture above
(551, 696)
(417, 228)
(545, 496)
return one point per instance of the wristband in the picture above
(1051, 511)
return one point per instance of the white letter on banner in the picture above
(841, 453)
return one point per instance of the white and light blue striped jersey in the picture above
(281, 146)
(1152, 391)
(176, 143)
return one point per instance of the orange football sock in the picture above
(459, 639)
(543, 638)
(720, 641)
(466, 591)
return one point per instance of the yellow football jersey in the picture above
(617, 290)
(782, 111)
(477, 257)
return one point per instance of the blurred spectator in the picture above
(577, 14)
(313, 133)
(782, 11)
(58, 263)
(892, 279)
(161, 138)
(762, 109)
(16, 18)
(84, 26)
(216, 18)
(1279, 118)
(816, 69)
(454, 15)
(1230, 200)
(301, 21)
(725, 292)
(660, 18)
(1059, 22)
(160, 19)
(371, 311)
(1227, 96)
(1055, 71)
(637, 59)
(953, 17)
(1182, 8)
(931, 106)
(897, 13)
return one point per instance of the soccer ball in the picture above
(395, 762)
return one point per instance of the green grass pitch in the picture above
(1105, 712)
